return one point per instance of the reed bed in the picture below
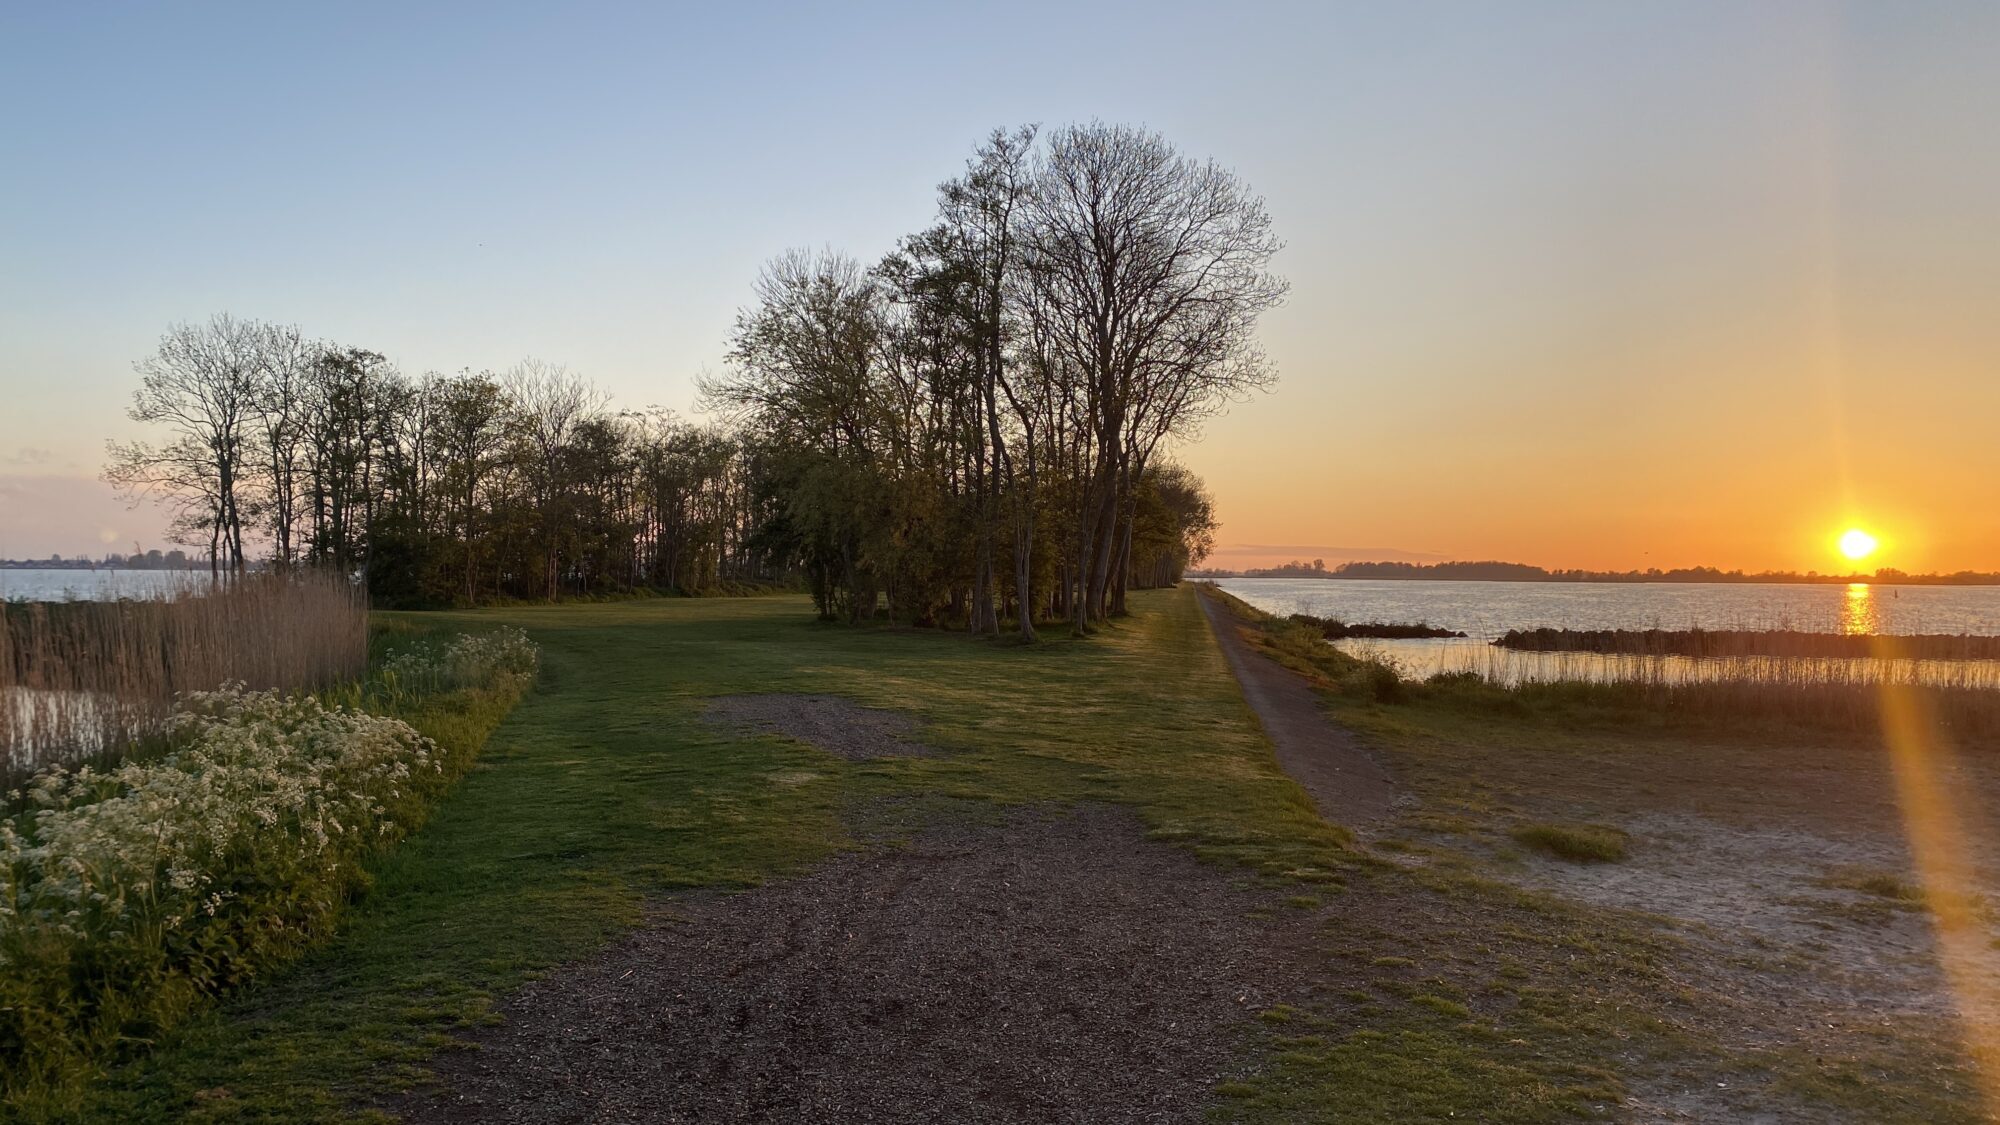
(1754, 642)
(1513, 667)
(90, 681)
(1961, 696)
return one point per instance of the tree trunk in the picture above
(1024, 574)
(1121, 572)
(980, 618)
(1106, 539)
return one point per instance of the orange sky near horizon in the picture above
(1752, 454)
(1741, 426)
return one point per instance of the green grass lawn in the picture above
(1446, 995)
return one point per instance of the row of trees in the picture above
(436, 489)
(974, 427)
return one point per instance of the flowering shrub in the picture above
(167, 879)
(467, 660)
(128, 895)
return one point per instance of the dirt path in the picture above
(1053, 967)
(1347, 784)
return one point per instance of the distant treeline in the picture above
(1763, 642)
(138, 560)
(974, 426)
(1521, 572)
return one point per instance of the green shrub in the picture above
(1382, 682)
(466, 660)
(1578, 843)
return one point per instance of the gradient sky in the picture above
(1587, 284)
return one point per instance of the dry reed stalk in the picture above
(88, 680)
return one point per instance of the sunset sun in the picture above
(1857, 544)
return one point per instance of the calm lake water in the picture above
(94, 585)
(1484, 610)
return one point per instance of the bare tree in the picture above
(351, 400)
(180, 476)
(550, 403)
(811, 376)
(471, 411)
(980, 212)
(205, 384)
(1152, 270)
(282, 402)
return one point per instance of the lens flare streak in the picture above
(1921, 758)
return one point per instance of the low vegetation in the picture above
(85, 681)
(611, 785)
(131, 895)
(428, 664)
(1887, 885)
(1578, 843)
(611, 788)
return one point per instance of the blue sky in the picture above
(1598, 233)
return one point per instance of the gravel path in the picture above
(1056, 967)
(1347, 784)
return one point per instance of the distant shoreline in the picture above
(44, 564)
(1517, 572)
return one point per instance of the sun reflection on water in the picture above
(1858, 616)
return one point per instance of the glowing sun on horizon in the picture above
(1857, 544)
